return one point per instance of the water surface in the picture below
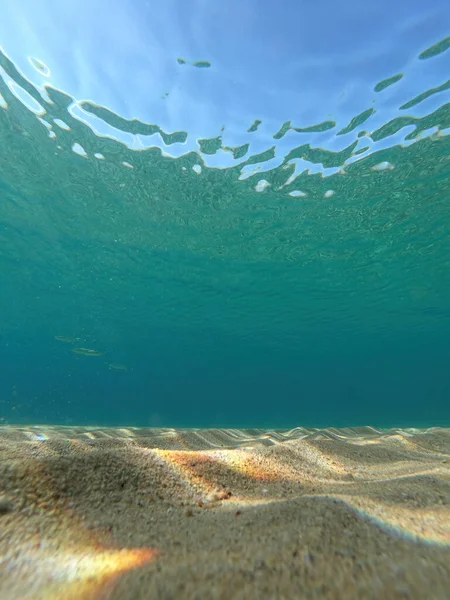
(223, 217)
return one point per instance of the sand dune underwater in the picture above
(169, 513)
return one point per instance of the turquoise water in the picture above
(292, 272)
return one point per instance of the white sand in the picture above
(229, 514)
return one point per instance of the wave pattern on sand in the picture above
(81, 505)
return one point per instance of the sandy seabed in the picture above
(195, 514)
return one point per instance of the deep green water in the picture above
(227, 306)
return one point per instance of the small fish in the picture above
(67, 340)
(87, 352)
(116, 367)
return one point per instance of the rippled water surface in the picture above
(231, 215)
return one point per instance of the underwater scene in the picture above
(287, 261)
(224, 299)
(258, 238)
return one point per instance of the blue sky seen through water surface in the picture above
(225, 214)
